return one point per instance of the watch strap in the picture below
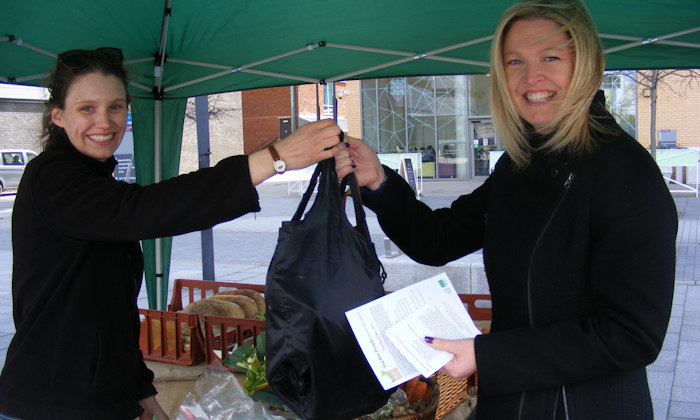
(273, 152)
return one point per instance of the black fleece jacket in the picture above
(77, 272)
(579, 253)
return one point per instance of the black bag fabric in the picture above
(322, 267)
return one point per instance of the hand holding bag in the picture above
(322, 267)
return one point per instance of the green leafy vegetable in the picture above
(251, 361)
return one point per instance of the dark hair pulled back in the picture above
(61, 79)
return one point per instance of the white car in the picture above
(12, 163)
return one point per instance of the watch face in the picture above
(280, 166)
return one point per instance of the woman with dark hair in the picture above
(78, 266)
(576, 224)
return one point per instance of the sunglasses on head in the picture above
(77, 59)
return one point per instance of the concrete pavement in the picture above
(244, 247)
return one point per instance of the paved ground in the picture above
(244, 247)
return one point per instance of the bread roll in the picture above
(214, 307)
(250, 308)
(169, 335)
(255, 295)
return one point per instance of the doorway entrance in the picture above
(483, 137)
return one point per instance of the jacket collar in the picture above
(105, 168)
(597, 109)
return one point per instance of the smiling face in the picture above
(539, 64)
(94, 114)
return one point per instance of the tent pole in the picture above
(318, 106)
(201, 106)
(157, 177)
(293, 96)
(158, 111)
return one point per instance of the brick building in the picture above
(20, 117)
(677, 108)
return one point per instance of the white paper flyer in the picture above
(391, 329)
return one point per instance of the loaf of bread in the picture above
(255, 295)
(169, 335)
(213, 307)
(250, 308)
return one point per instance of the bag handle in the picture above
(307, 194)
(357, 202)
(326, 169)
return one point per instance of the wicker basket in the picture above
(453, 393)
(428, 413)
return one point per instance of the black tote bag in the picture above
(322, 267)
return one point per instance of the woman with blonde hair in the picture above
(572, 126)
(576, 224)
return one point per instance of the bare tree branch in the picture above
(218, 108)
(650, 80)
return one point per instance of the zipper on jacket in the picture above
(567, 186)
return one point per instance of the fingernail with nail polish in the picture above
(428, 339)
(354, 166)
(347, 145)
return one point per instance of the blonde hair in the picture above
(572, 127)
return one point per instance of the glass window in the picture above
(446, 91)
(328, 100)
(621, 98)
(428, 115)
(370, 132)
(13, 158)
(391, 114)
(420, 99)
(479, 103)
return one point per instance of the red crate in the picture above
(224, 334)
(171, 337)
(201, 289)
(164, 334)
(478, 306)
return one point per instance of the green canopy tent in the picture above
(179, 49)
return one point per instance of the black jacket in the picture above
(580, 257)
(77, 272)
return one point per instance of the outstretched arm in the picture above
(309, 144)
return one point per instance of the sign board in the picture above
(406, 171)
(667, 138)
(125, 170)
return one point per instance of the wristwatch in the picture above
(277, 162)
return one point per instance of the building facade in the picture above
(21, 110)
(444, 119)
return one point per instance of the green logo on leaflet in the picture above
(442, 283)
